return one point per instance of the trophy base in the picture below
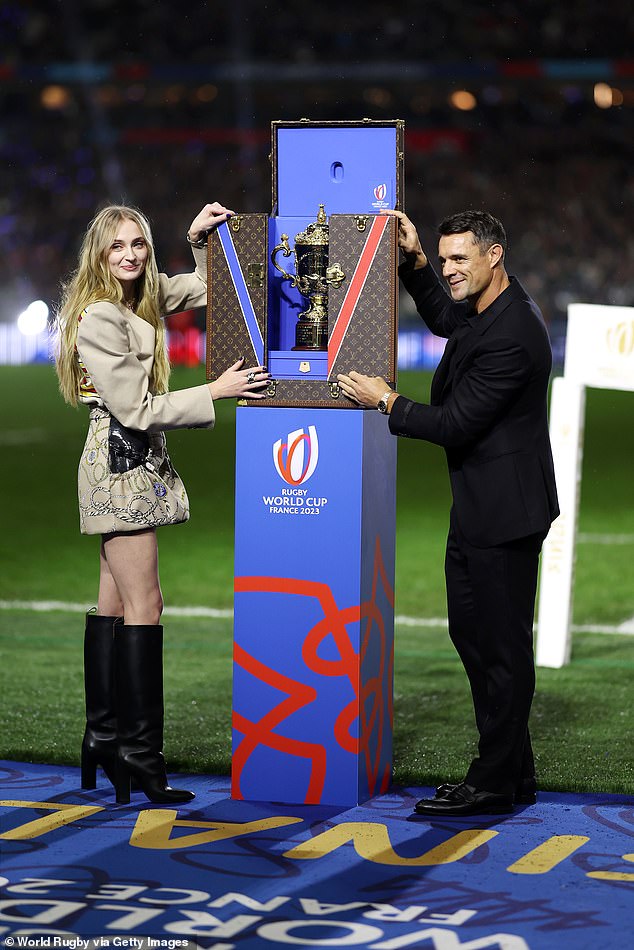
(311, 336)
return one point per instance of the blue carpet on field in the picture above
(220, 873)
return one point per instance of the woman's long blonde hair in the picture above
(92, 281)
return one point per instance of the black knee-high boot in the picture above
(139, 703)
(99, 746)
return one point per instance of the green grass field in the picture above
(582, 715)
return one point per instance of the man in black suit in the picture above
(489, 411)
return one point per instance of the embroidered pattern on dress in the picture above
(145, 496)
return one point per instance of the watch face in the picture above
(382, 405)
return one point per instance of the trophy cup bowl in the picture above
(313, 275)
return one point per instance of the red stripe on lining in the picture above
(356, 286)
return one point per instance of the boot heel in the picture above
(88, 771)
(122, 785)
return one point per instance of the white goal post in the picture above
(600, 354)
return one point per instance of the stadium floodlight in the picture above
(33, 320)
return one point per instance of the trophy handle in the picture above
(287, 253)
(335, 274)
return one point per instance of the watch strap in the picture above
(383, 401)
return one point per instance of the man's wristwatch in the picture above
(382, 403)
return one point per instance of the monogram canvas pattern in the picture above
(369, 345)
(305, 392)
(227, 335)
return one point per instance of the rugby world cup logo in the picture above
(296, 459)
(380, 192)
(621, 338)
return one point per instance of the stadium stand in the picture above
(167, 111)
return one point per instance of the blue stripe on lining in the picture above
(244, 299)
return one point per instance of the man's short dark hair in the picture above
(486, 229)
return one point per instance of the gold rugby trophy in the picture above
(313, 275)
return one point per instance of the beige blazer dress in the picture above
(126, 481)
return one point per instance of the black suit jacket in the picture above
(488, 410)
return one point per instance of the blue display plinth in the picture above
(314, 605)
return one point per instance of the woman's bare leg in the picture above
(109, 603)
(129, 579)
(132, 566)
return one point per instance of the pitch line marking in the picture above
(219, 613)
(584, 538)
(45, 605)
(22, 436)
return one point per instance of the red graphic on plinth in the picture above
(372, 724)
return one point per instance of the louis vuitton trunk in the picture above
(311, 290)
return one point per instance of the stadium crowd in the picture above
(452, 30)
(540, 155)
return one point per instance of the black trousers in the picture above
(491, 604)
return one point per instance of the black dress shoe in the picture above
(465, 800)
(525, 793)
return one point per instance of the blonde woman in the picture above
(112, 356)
